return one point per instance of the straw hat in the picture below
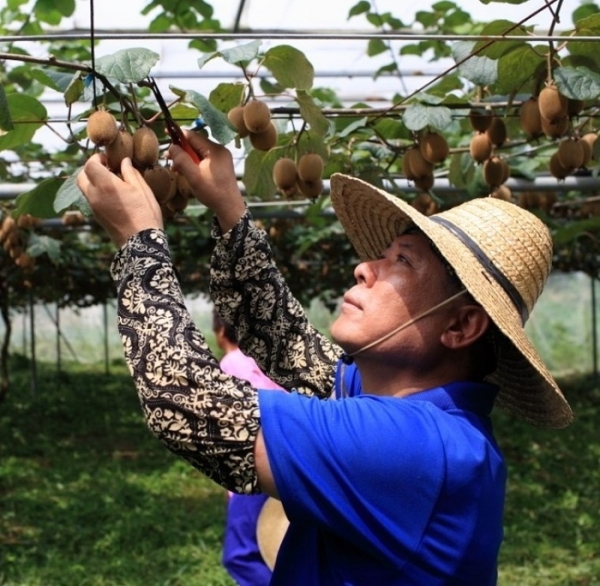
(271, 526)
(501, 253)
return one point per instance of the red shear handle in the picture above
(179, 139)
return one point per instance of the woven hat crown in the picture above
(516, 244)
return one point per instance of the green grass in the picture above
(89, 498)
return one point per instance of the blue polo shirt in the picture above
(384, 490)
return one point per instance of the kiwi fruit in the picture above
(415, 165)
(264, 141)
(497, 131)
(162, 182)
(530, 117)
(556, 168)
(236, 117)
(102, 127)
(145, 148)
(571, 153)
(257, 116)
(73, 218)
(591, 139)
(480, 147)
(424, 203)
(434, 148)
(480, 119)
(502, 192)
(310, 189)
(183, 186)
(120, 148)
(425, 182)
(178, 202)
(285, 173)
(555, 128)
(495, 171)
(553, 105)
(310, 167)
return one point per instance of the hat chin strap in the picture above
(348, 358)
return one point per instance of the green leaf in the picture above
(203, 45)
(39, 201)
(290, 67)
(376, 47)
(360, 8)
(391, 128)
(577, 83)
(495, 50)
(503, 1)
(240, 54)
(69, 196)
(516, 68)
(128, 65)
(271, 89)
(215, 119)
(575, 229)
(37, 245)
(227, 95)
(6, 123)
(63, 7)
(27, 115)
(258, 173)
(419, 116)
(312, 113)
(478, 70)
(74, 91)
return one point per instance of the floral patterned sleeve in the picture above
(250, 293)
(201, 414)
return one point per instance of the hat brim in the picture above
(373, 218)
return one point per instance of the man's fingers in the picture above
(200, 143)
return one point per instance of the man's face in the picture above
(408, 280)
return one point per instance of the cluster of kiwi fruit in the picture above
(418, 164)
(304, 177)
(490, 133)
(253, 120)
(13, 241)
(550, 114)
(171, 190)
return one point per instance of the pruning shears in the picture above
(173, 129)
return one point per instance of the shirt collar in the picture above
(477, 397)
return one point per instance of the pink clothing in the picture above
(236, 363)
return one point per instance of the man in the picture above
(401, 481)
(242, 556)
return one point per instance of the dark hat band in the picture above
(487, 264)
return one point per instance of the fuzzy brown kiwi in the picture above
(264, 141)
(102, 127)
(145, 148)
(556, 168)
(285, 173)
(183, 186)
(571, 153)
(236, 117)
(162, 182)
(555, 128)
(480, 147)
(497, 131)
(530, 117)
(553, 105)
(494, 171)
(73, 218)
(425, 182)
(480, 119)
(310, 189)
(502, 192)
(310, 167)
(119, 149)
(418, 166)
(178, 202)
(591, 138)
(434, 147)
(424, 203)
(257, 116)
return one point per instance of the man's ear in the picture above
(467, 325)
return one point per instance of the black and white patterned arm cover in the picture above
(250, 294)
(201, 414)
